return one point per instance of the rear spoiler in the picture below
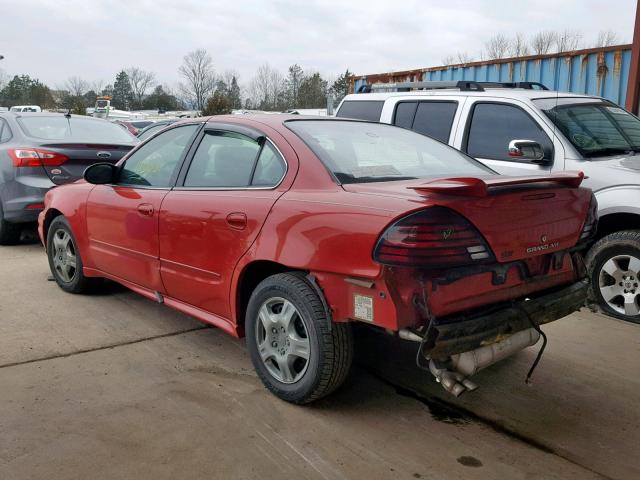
(480, 187)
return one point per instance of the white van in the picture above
(25, 108)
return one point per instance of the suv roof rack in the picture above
(462, 85)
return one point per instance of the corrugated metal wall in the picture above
(598, 71)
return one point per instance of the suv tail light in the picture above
(591, 223)
(432, 238)
(36, 157)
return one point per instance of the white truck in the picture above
(523, 129)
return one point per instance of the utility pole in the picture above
(633, 85)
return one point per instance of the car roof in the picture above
(45, 114)
(511, 93)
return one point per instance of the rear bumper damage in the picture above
(460, 346)
(461, 333)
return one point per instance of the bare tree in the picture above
(542, 42)
(140, 81)
(199, 76)
(3, 79)
(518, 47)
(463, 57)
(568, 40)
(76, 86)
(448, 60)
(97, 86)
(497, 47)
(266, 88)
(606, 38)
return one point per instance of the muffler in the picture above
(452, 373)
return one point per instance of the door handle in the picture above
(237, 220)
(145, 209)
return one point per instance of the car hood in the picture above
(610, 171)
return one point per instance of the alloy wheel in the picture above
(619, 284)
(282, 339)
(64, 255)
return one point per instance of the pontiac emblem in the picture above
(543, 239)
(446, 234)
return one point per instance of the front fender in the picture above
(618, 199)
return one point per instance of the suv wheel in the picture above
(9, 233)
(614, 272)
(297, 354)
(65, 261)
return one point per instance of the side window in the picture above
(493, 126)
(405, 111)
(435, 119)
(270, 168)
(361, 109)
(154, 164)
(5, 132)
(223, 159)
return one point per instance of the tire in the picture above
(613, 264)
(65, 261)
(9, 232)
(279, 348)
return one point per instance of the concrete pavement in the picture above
(115, 386)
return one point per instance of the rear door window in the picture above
(493, 125)
(232, 160)
(361, 109)
(405, 113)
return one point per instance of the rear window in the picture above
(360, 152)
(76, 129)
(433, 118)
(361, 110)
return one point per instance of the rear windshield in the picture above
(360, 152)
(595, 127)
(76, 129)
(361, 110)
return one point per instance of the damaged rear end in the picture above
(475, 272)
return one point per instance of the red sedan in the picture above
(287, 230)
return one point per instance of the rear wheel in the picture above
(9, 233)
(65, 261)
(614, 271)
(297, 354)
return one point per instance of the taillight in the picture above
(432, 238)
(591, 223)
(36, 157)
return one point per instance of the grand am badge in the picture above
(543, 245)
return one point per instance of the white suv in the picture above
(525, 129)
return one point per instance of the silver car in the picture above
(525, 129)
(41, 150)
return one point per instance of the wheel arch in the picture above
(616, 222)
(251, 275)
(51, 214)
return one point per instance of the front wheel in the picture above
(299, 356)
(614, 272)
(65, 261)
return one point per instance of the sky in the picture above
(93, 39)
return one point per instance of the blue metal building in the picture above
(595, 71)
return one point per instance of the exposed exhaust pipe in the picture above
(452, 374)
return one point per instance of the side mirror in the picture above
(527, 150)
(101, 173)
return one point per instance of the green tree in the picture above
(313, 92)
(160, 99)
(234, 93)
(122, 93)
(217, 104)
(24, 90)
(293, 83)
(340, 88)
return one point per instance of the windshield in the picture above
(101, 103)
(76, 129)
(359, 152)
(595, 127)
